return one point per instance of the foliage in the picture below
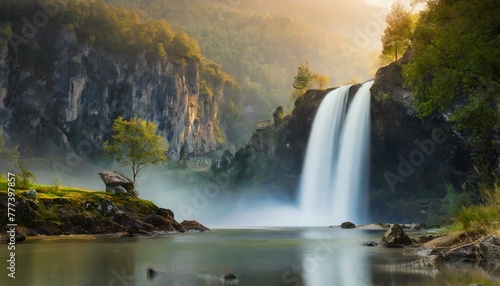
(397, 34)
(186, 47)
(136, 144)
(455, 201)
(481, 219)
(320, 80)
(262, 42)
(25, 177)
(110, 27)
(57, 184)
(455, 70)
(303, 78)
(278, 116)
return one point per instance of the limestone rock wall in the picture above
(62, 93)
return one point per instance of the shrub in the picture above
(26, 177)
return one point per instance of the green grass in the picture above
(480, 219)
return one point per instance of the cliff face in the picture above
(63, 95)
(412, 160)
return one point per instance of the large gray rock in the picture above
(348, 224)
(116, 182)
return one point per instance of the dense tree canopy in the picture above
(455, 69)
(109, 27)
(261, 43)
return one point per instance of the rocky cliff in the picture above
(62, 95)
(412, 159)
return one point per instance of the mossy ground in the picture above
(64, 208)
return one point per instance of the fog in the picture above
(193, 196)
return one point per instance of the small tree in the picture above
(303, 78)
(136, 144)
(321, 80)
(397, 34)
(26, 177)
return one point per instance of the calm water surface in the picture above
(275, 256)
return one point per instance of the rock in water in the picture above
(230, 276)
(114, 180)
(193, 226)
(395, 237)
(347, 224)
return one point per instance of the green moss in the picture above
(56, 207)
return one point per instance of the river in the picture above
(259, 256)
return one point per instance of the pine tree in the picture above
(303, 78)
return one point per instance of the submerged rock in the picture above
(484, 253)
(348, 224)
(370, 243)
(230, 276)
(395, 237)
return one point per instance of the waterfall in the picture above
(335, 173)
(322, 152)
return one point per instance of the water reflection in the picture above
(272, 256)
(336, 258)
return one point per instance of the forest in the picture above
(261, 43)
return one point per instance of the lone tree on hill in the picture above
(397, 34)
(136, 144)
(303, 79)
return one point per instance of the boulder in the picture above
(114, 180)
(31, 194)
(348, 224)
(192, 225)
(116, 190)
(395, 237)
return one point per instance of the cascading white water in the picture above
(322, 153)
(335, 171)
(351, 177)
